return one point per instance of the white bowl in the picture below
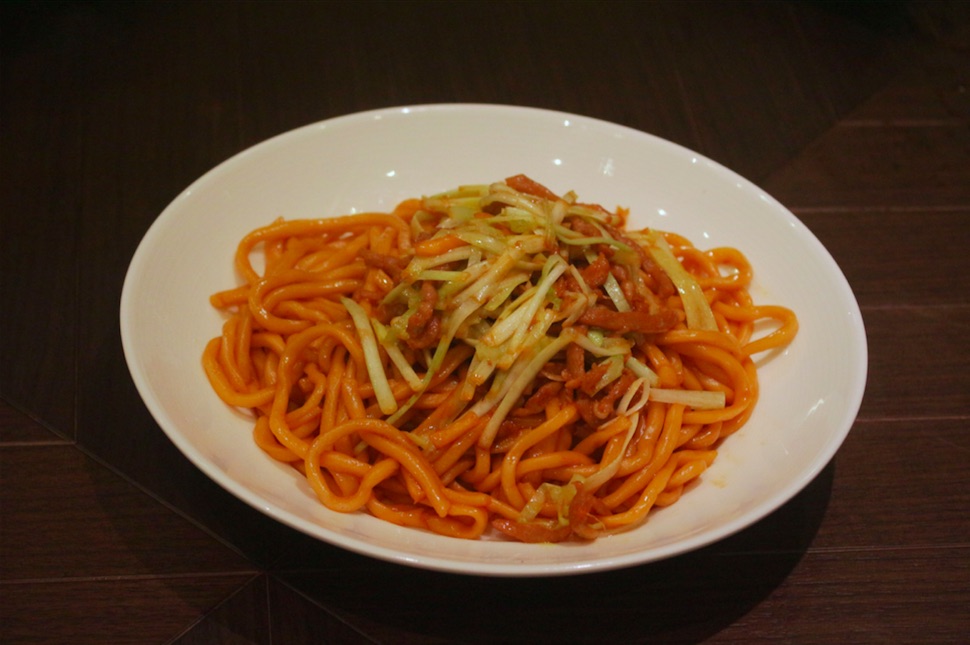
(810, 392)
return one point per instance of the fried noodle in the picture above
(493, 356)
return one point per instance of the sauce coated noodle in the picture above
(494, 356)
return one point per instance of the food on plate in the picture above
(495, 359)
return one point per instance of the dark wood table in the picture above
(854, 115)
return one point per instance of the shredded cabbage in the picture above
(515, 291)
(696, 307)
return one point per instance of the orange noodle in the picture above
(493, 356)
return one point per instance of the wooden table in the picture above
(855, 116)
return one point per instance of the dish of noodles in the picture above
(492, 356)
(581, 348)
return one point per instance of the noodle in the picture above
(493, 356)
